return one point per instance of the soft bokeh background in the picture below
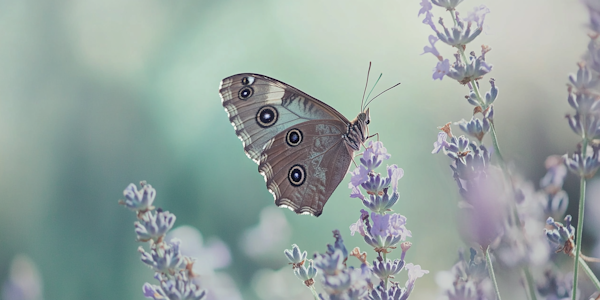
(97, 94)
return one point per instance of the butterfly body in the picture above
(303, 147)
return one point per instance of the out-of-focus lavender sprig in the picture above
(172, 269)
(467, 279)
(24, 280)
(380, 228)
(583, 96)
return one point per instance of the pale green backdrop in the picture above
(97, 94)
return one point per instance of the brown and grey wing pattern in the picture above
(260, 107)
(304, 164)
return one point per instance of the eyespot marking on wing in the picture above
(293, 137)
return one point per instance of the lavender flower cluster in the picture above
(172, 269)
(381, 229)
(500, 212)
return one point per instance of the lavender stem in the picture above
(582, 183)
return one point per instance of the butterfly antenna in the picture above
(366, 84)
(397, 84)
(372, 90)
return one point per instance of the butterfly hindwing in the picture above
(305, 163)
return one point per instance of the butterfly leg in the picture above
(370, 136)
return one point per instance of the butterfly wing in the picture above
(260, 107)
(304, 164)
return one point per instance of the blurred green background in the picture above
(95, 95)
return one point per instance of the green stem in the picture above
(582, 182)
(314, 292)
(530, 286)
(590, 274)
(496, 145)
(488, 260)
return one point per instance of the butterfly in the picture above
(303, 147)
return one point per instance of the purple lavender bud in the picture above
(584, 166)
(474, 128)
(562, 235)
(485, 125)
(575, 124)
(338, 245)
(490, 96)
(472, 98)
(338, 284)
(405, 246)
(584, 79)
(556, 286)
(306, 272)
(388, 268)
(392, 293)
(153, 291)
(583, 103)
(295, 256)
(457, 145)
(375, 185)
(167, 259)
(447, 4)
(556, 204)
(181, 288)
(381, 204)
(330, 264)
(154, 226)
(591, 128)
(351, 283)
(468, 279)
(440, 143)
(139, 201)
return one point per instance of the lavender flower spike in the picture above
(294, 256)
